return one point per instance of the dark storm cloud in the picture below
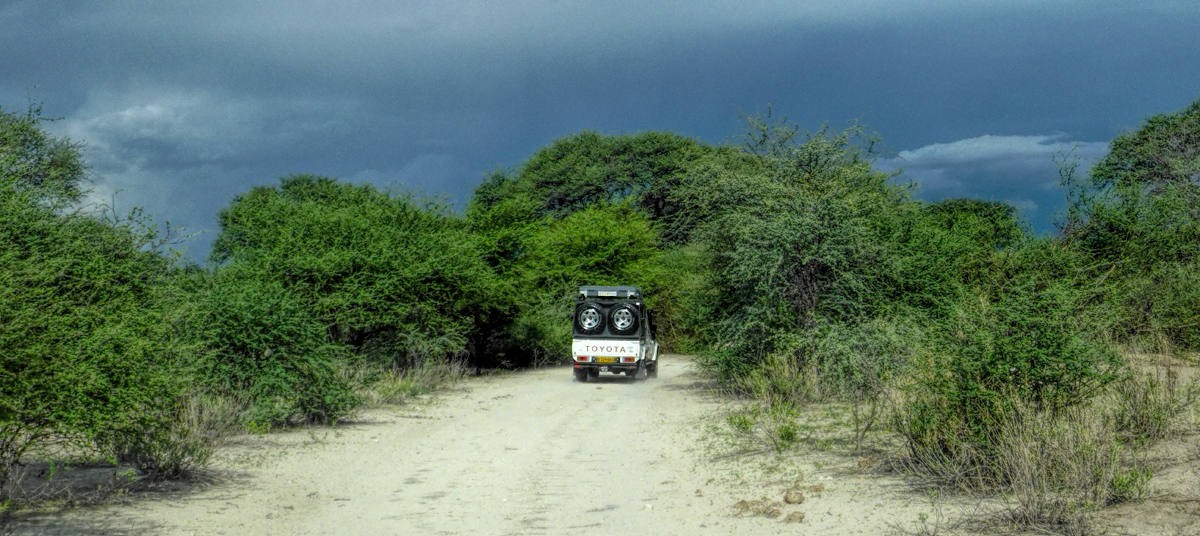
(1020, 170)
(185, 106)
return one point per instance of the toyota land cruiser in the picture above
(613, 333)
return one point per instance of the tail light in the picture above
(628, 360)
(582, 358)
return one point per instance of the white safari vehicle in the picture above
(613, 334)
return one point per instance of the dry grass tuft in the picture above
(1053, 470)
(794, 517)
(793, 497)
(1057, 469)
(1151, 405)
(400, 386)
(201, 425)
(759, 507)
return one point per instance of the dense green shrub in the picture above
(1164, 301)
(587, 168)
(1166, 150)
(383, 274)
(316, 275)
(778, 271)
(33, 163)
(89, 344)
(801, 243)
(601, 245)
(267, 346)
(943, 247)
(1031, 337)
(680, 293)
(862, 360)
(1139, 209)
(1142, 228)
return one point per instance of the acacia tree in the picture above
(388, 276)
(85, 347)
(1166, 150)
(37, 164)
(1139, 209)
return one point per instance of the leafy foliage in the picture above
(1138, 210)
(587, 168)
(602, 245)
(317, 272)
(88, 345)
(267, 347)
(379, 271)
(1166, 150)
(35, 164)
(801, 243)
(1028, 338)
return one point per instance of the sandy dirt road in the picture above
(517, 454)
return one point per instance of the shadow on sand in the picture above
(58, 499)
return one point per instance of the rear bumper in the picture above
(607, 367)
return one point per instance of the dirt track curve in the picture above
(517, 454)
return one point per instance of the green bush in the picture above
(36, 165)
(862, 360)
(600, 245)
(541, 329)
(89, 334)
(803, 243)
(381, 272)
(577, 171)
(1138, 209)
(679, 292)
(1166, 150)
(943, 247)
(265, 345)
(1028, 338)
(1166, 300)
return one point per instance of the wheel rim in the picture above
(589, 319)
(623, 319)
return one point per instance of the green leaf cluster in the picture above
(315, 274)
(1138, 210)
(90, 339)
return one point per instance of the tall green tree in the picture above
(384, 274)
(1165, 150)
(87, 341)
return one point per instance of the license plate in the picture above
(606, 360)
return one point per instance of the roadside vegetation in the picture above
(1001, 362)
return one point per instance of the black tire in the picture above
(622, 309)
(581, 375)
(593, 312)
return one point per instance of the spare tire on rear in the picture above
(624, 319)
(589, 318)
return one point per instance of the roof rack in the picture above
(587, 292)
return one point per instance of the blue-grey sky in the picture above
(183, 105)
